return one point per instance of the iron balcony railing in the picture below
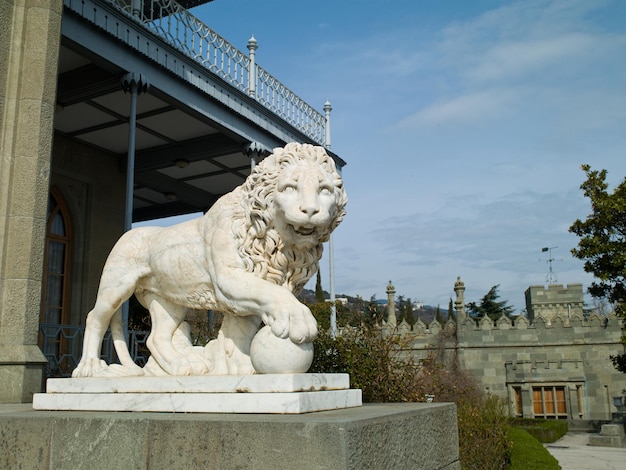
(62, 345)
(180, 29)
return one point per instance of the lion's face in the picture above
(305, 204)
(291, 202)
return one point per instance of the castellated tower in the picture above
(556, 299)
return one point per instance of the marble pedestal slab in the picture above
(271, 393)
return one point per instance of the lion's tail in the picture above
(119, 341)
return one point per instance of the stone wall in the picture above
(516, 359)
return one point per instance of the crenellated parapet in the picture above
(419, 330)
(520, 331)
(551, 363)
(523, 323)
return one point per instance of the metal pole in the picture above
(331, 257)
(130, 162)
(136, 84)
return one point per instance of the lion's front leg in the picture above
(246, 294)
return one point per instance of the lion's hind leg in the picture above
(169, 342)
(230, 351)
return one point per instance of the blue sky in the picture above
(464, 125)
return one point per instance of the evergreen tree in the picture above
(489, 305)
(374, 312)
(408, 311)
(602, 244)
(451, 315)
(438, 316)
(319, 292)
(602, 235)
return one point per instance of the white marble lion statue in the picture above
(247, 256)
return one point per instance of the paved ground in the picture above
(573, 453)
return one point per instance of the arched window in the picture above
(54, 302)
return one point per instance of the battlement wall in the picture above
(509, 355)
(575, 329)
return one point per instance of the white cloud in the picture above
(474, 107)
(515, 61)
(541, 56)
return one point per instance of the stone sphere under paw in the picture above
(273, 355)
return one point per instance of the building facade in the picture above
(555, 368)
(114, 112)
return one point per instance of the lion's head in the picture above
(291, 202)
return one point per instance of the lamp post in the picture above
(135, 83)
(331, 262)
(620, 416)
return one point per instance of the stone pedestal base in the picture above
(611, 435)
(21, 372)
(268, 393)
(411, 436)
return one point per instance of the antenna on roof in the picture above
(551, 277)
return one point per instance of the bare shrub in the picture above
(377, 364)
(383, 368)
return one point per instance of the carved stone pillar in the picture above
(391, 306)
(459, 303)
(29, 48)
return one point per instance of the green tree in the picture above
(319, 292)
(490, 306)
(407, 313)
(451, 315)
(602, 243)
(374, 311)
(438, 316)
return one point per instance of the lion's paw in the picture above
(296, 322)
(89, 368)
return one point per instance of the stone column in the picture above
(29, 50)
(252, 47)
(459, 303)
(392, 322)
(528, 410)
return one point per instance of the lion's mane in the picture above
(260, 246)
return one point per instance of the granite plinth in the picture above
(406, 436)
(272, 393)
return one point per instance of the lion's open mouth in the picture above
(304, 231)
